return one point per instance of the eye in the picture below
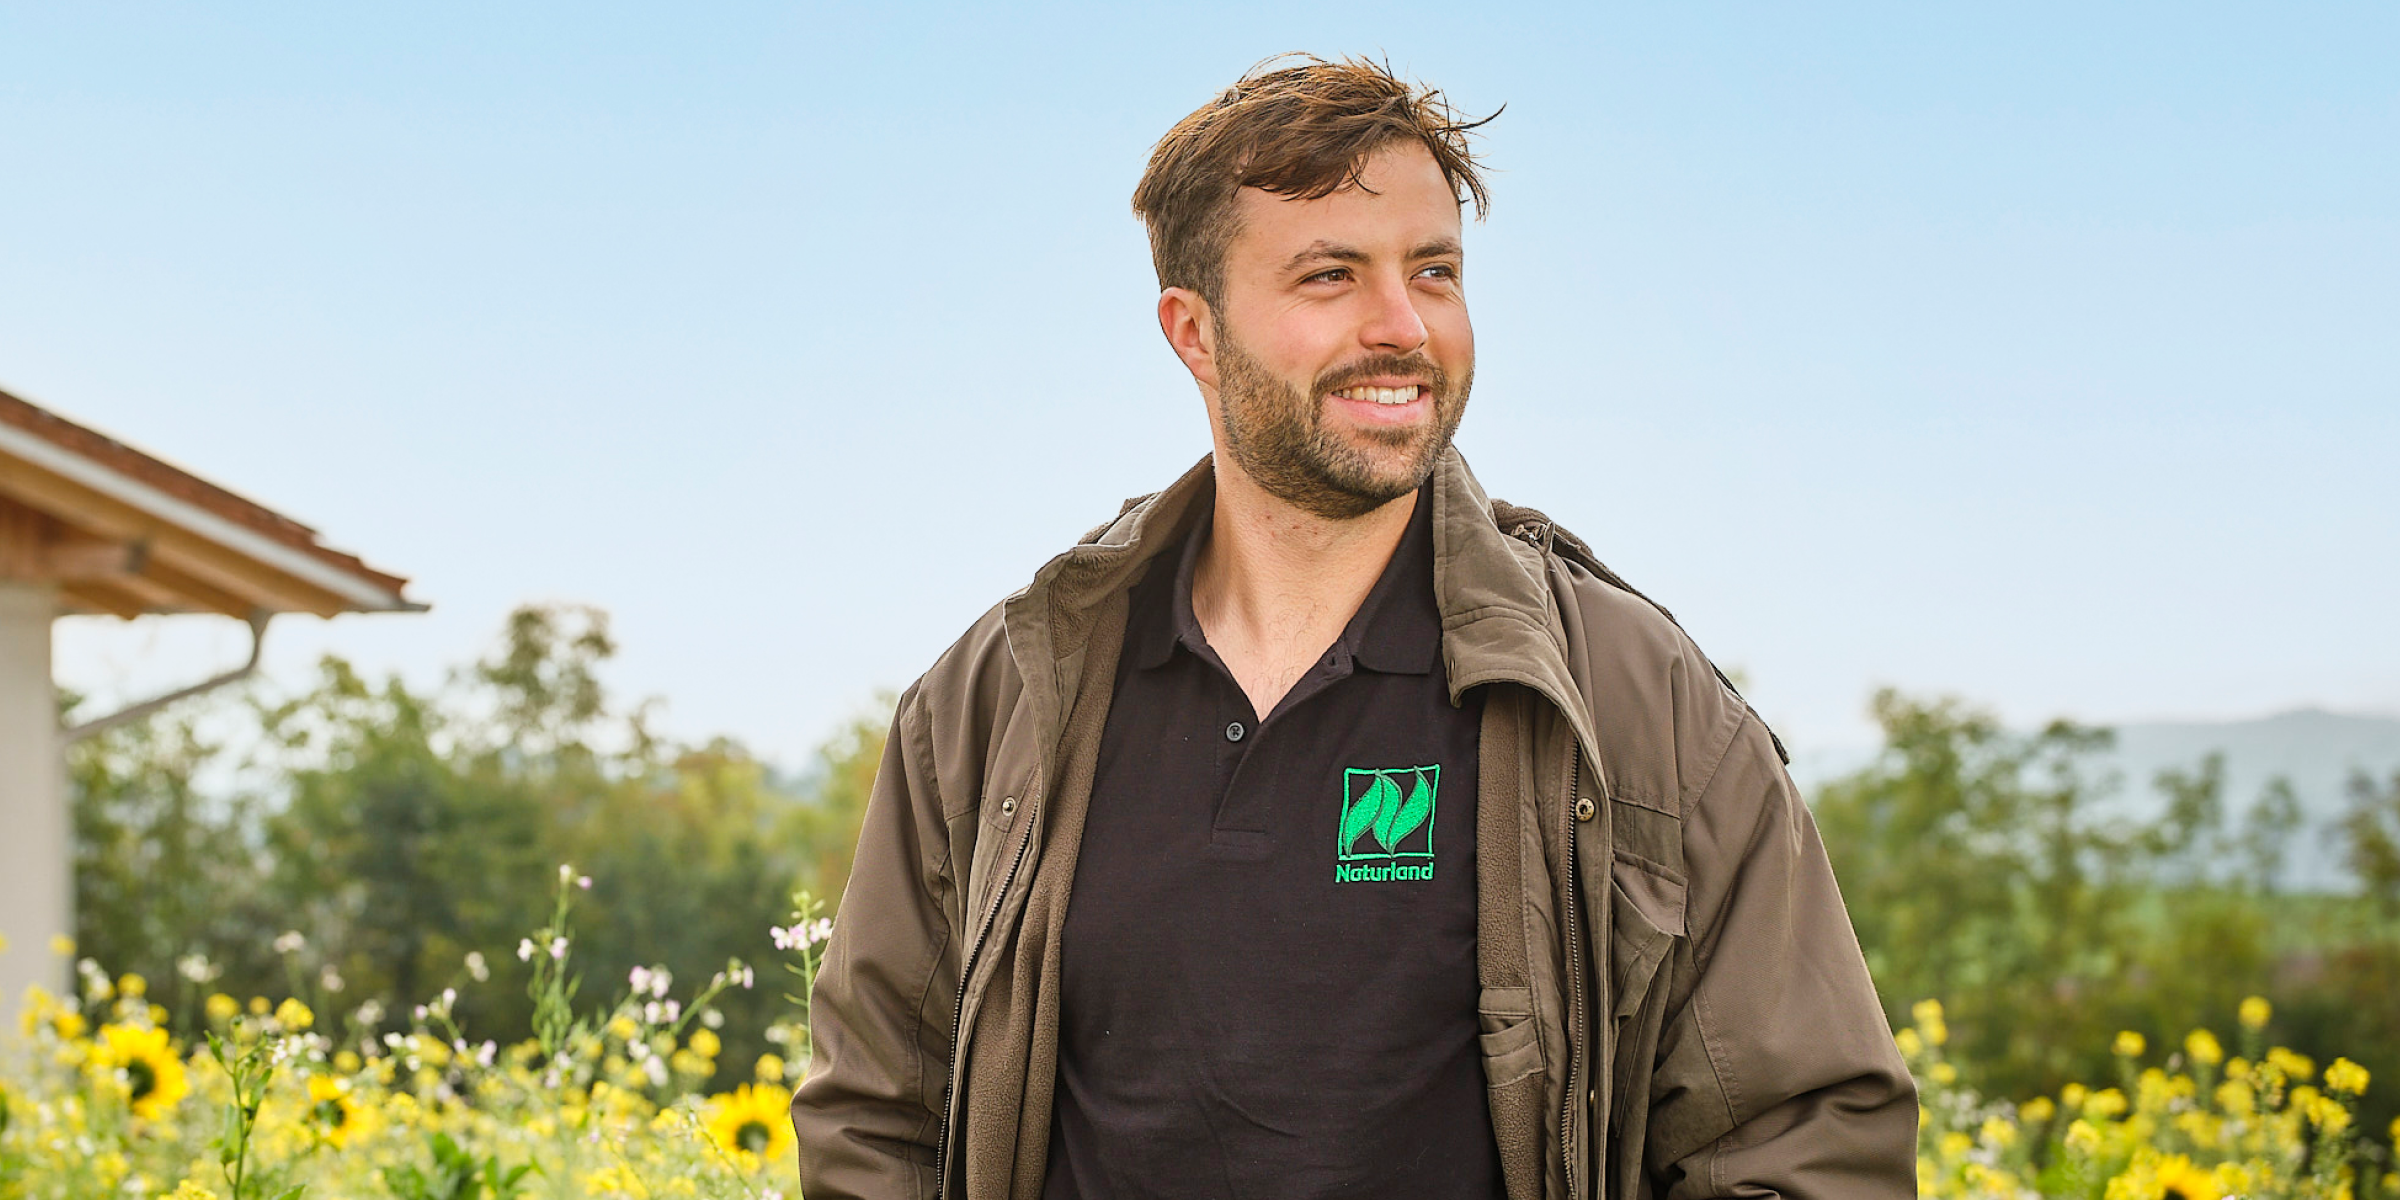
(1329, 275)
(1444, 271)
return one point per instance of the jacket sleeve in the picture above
(868, 1116)
(1777, 1075)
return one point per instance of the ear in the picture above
(1190, 328)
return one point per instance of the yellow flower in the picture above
(2202, 1047)
(2072, 1096)
(616, 1179)
(623, 1026)
(2082, 1137)
(1924, 1011)
(2037, 1111)
(1910, 1044)
(2327, 1113)
(346, 1061)
(331, 1110)
(2346, 1076)
(2293, 1065)
(70, 1025)
(190, 1190)
(2108, 1102)
(3, 943)
(294, 1015)
(752, 1124)
(705, 1043)
(259, 1006)
(133, 985)
(1943, 1073)
(769, 1068)
(2255, 1011)
(221, 1008)
(1955, 1144)
(2178, 1179)
(62, 945)
(145, 1065)
(1997, 1132)
(2130, 1044)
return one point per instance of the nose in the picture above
(1393, 324)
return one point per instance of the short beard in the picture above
(1279, 437)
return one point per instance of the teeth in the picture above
(1376, 395)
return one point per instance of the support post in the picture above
(36, 848)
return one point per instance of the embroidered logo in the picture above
(1386, 830)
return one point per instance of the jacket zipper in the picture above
(1575, 1022)
(958, 1014)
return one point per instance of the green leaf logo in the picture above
(1412, 813)
(1387, 806)
(1369, 806)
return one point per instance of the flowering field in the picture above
(97, 1099)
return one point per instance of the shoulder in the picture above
(1666, 718)
(953, 713)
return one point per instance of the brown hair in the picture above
(1302, 131)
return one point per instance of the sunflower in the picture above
(752, 1124)
(145, 1063)
(2178, 1179)
(331, 1110)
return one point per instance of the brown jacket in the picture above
(1673, 1004)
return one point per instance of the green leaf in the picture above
(1413, 812)
(1363, 813)
(1388, 796)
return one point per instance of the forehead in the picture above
(1401, 201)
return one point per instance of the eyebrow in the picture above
(1322, 249)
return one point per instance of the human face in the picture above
(1342, 355)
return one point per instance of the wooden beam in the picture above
(182, 551)
(100, 597)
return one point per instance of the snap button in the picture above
(1234, 732)
(1008, 807)
(1583, 808)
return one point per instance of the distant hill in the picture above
(2315, 749)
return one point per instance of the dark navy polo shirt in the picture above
(1268, 971)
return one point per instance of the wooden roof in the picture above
(118, 531)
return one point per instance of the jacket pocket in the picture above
(1510, 1040)
(1646, 903)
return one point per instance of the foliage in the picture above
(620, 1104)
(2197, 1126)
(1986, 867)
(364, 841)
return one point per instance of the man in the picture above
(1321, 826)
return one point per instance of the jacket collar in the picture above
(1500, 620)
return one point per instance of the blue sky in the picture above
(2043, 354)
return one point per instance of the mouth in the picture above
(1381, 397)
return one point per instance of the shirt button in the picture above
(1234, 732)
(1584, 808)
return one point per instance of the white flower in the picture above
(525, 950)
(785, 939)
(566, 874)
(197, 968)
(656, 1069)
(640, 980)
(478, 969)
(290, 942)
(674, 1012)
(584, 882)
(746, 976)
(660, 981)
(650, 1013)
(330, 979)
(485, 1052)
(558, 947)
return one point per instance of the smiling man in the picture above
(1321, 826)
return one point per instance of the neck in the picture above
(1276, 584)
